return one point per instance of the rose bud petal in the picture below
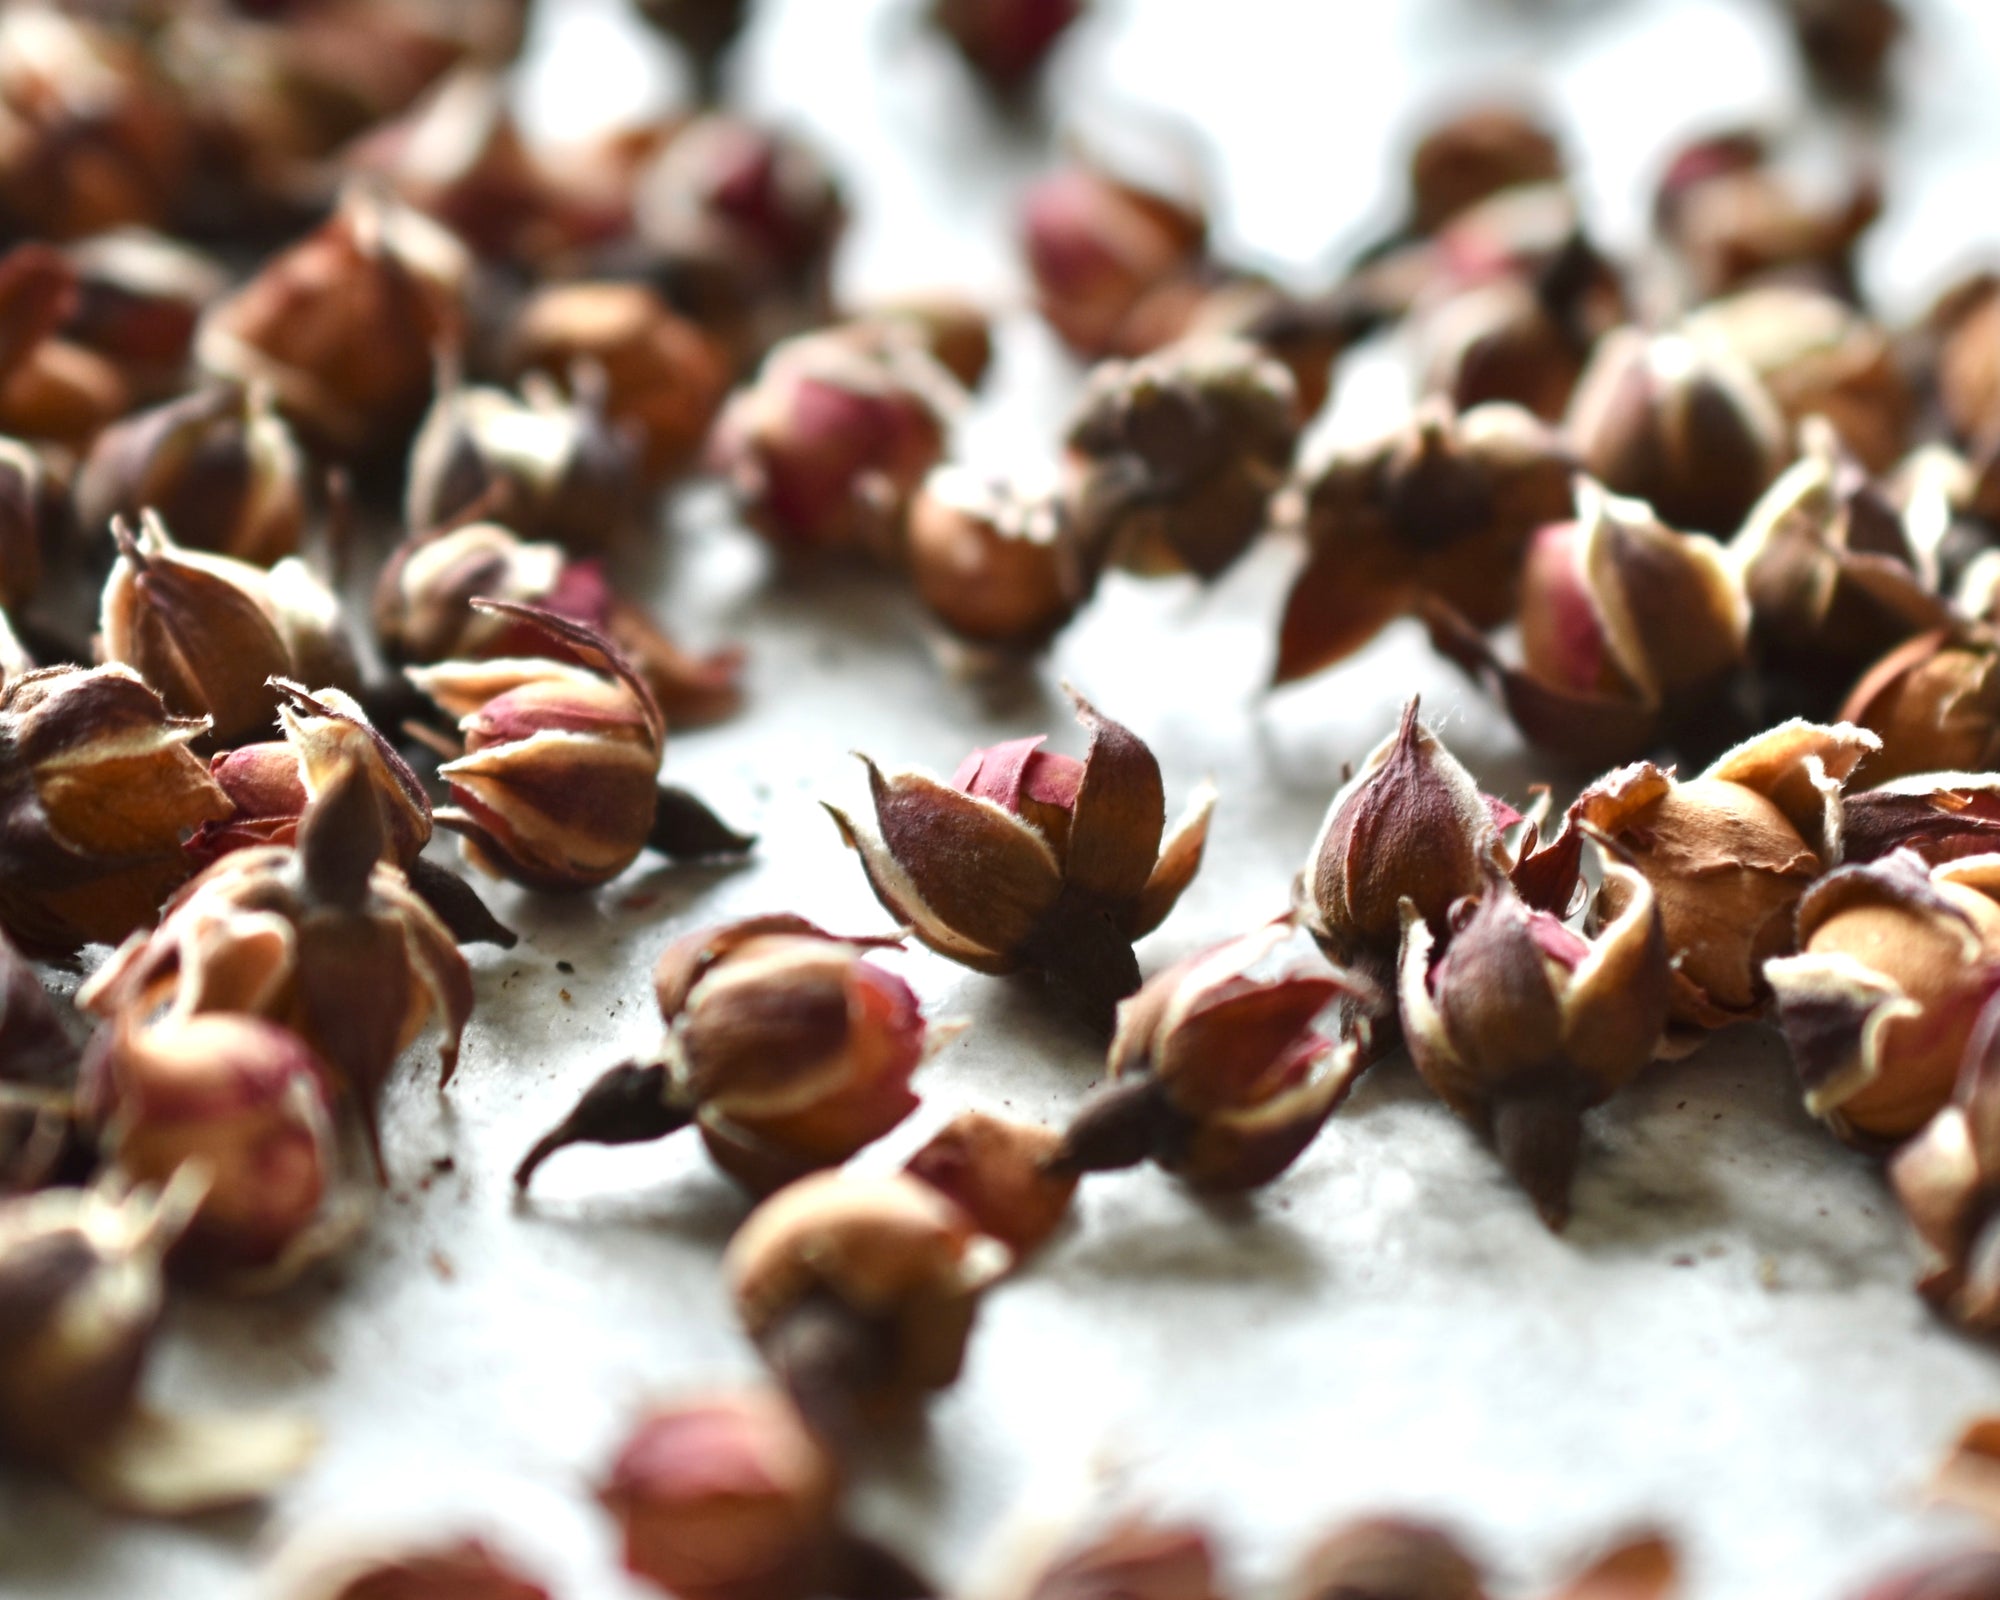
(1728, 854)
(1934, 702)
(28, 505)
(1005, 42)
(996, 567)
(464, 1569)
(998, 1172)
(1387, 1558)
(80, 1299)
(1475, 154)
(1938, 816)
(1444, 506)
(1135, 1558)
(1966, 1575)
(859, 1292)
(139, 298)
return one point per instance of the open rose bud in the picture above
(559, 787)
(1895, 964)
(1475, 154)
(139, 297)
(786, 1046)
(99, 789)
(1937, 816)
(220, 467)
(81, 1292)
(1034, 861)
(1217, 1074)
(27, 504)
(998, 1172)
(1005, 41)
(1444, 507)
(1728, 854)
(50, 389)
(1935, 704)
(1521, 1025)
(1173, 459)
(462, 1569)
(1387, 1558)
(995, 566)
(1138, 1557)
(859, 1292)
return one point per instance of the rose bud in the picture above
(957, 331)
(1034, 861)
(1387, 1558)
(1964, 327)
(1935, 703)
(1645, 1566)
(1444, 507)
(1173, 460)
(28, 505)
(464, 1569)
(218, 466)
(558, 788)
(1475, 154)
(346, 327)
(785, 1045)
(1938, 816)
(1728, 854)
(1683, 425)
(826, 448)
(81, 1294)
(1005, 41)
(1967, 1575)
(1136, 1558)
(1217, 1075)
(424, 614)
(50, 389)
(705, 29)
(999, 1173)
(101, 787)
(993, 565)
(859, 1292)
(1847, 46)
(139, 298)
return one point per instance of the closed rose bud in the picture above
(1306, 335)
(100, 787)
(464, 1569)
(1728, 854)
(1387, 1558)
(1036, 861)
(1935, 704)
(995, 566)
(1967, 1575)
(1965, 328)
(1948, 1180)
(1138, 1557)
(1939, 816)
(999, 1173)
(27, 503)
(1475, 154)
(956, 330)
(50, 389)
(139, 298)
(1005, 41)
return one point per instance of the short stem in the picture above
(1119, 1127)
(632, 1103)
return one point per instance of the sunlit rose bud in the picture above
(859, 1292)
(28, 501)
(1173, 459)
(786, 1046)
(992, 564)
(219, 467)
(957, 331)
(465, 1569)
(347, 326)
(80, 1300)
(705, 29)
(1005, 41)
(999, 1173)
(559, 786)
(1444, 507)
(139, 297)
(825, 449)
(1475, 154)
(101, 787)
(1683, 425)
(1139, 1557)
(1968, 1575)
(50, 389)
(1037, 861)
(1728, 854)
(1935, 704)
(1387, 1558)
(663, 378)
(1939, 816)
(1894, 964)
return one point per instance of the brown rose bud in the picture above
(859, 1292)
(558, 788)
(1475, 154)
(98, 787)
(1939, 816)
(998, 1172)
(50, 389)
(1728, 854)
(1138, 1557)
(1967, 1575)
(1645, 1566)
(1005, 41)
(1444, 506)
(1387, 1558)
(28, 501)
(464, 1569)
(1934, 702)
(956, 330)
(1965, 328)
(1306, 335)
(1037, 861)
(995, 566)
(139, 298)
(1847, 46)
(786, 1046)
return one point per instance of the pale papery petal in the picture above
(1180, 860)
(1437, 1059)
(1120, 814)
(1800, 767)
(1615, 1002)
(1834, 1010)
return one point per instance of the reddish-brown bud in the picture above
(1005, 41)
(1965, 326)
(1138, 1557)
(998, 1172)
(464, 1569)
(1387, 1558)
(1935, 704)
(139, 297)
(50, 389)
(1475, 154)
(993, 565)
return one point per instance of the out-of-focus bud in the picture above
(1934, 702)
(27, 504)
(1304, 334)
(50, 389)
(1847, 46)
(1173, 459)
(1442, 507)
(859, 1292)
(999, 1173)
(786, 1046)
(1387, 1558)
(1728, 854)
(1005, 41)
(826, 448)
(1037, 861)
(995, 566)
(1968, 1575)
(347, 326)
(705, 29)
(957, 331)
(559, 786)
(1965, 327)
(1216, 1073)
(1476, 154)
(220, 467)
(1950, 507)
(1682, 424)
(1895, 963)
(98, 788)
(1643, 1566)
(463, 1569)
(1138, 1557)
(81, 1293)
(139, 297)
(1938, 816)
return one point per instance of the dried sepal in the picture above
(1646, 1566)
(1969, 1475)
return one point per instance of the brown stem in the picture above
(632, 1103)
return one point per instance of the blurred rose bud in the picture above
(464, 1569)
(956, 330)
(1445, 506)
(1934, 702)
(1474, 154)
(1964, 326)
(999, 1173)
(1304, 334)
(1138, 1557)
(558, 788)
(825, 449)
(1005, 41)
(786, 1046)
(1950, 507)
(29, 504)
(1387, 1558)
(1939, 816)
(139, 298)
(1036, 861)
(218, 466)
(1217, 1073)
(994, 565)
(347, 326)
(100, 788)
(50, 389)
(1895, 963)
(859, 1292)
(1847, 46)
(1728, 854)
(1173, 459)
(80, 1300)
(1682, 424)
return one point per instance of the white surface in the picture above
(1725, 1343)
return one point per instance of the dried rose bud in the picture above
(1136, 1558)
(998, 1172)
(786, 1046)
(81, 1293)
(1173, 460)
(859, 1292)
(705, 29)
(1948, 1180)
(1939, 816)
(1728, 854)
(1306, 335)
(1005, 41)
(1895, 963)
(1444, 506)
(1934, 702)
(1475, 154)
(100, 787)
(1847, 45)
(1967, 1575)
(1682, 424)
(464, 1569)
(347, 326)
(50, 389)
(1965, 326)
(1036, 861)
(1387, 1558)
(139, 298)
(956, 330)
(27, 505)
(994, 565)
(220, 467)
(1645, 1566)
